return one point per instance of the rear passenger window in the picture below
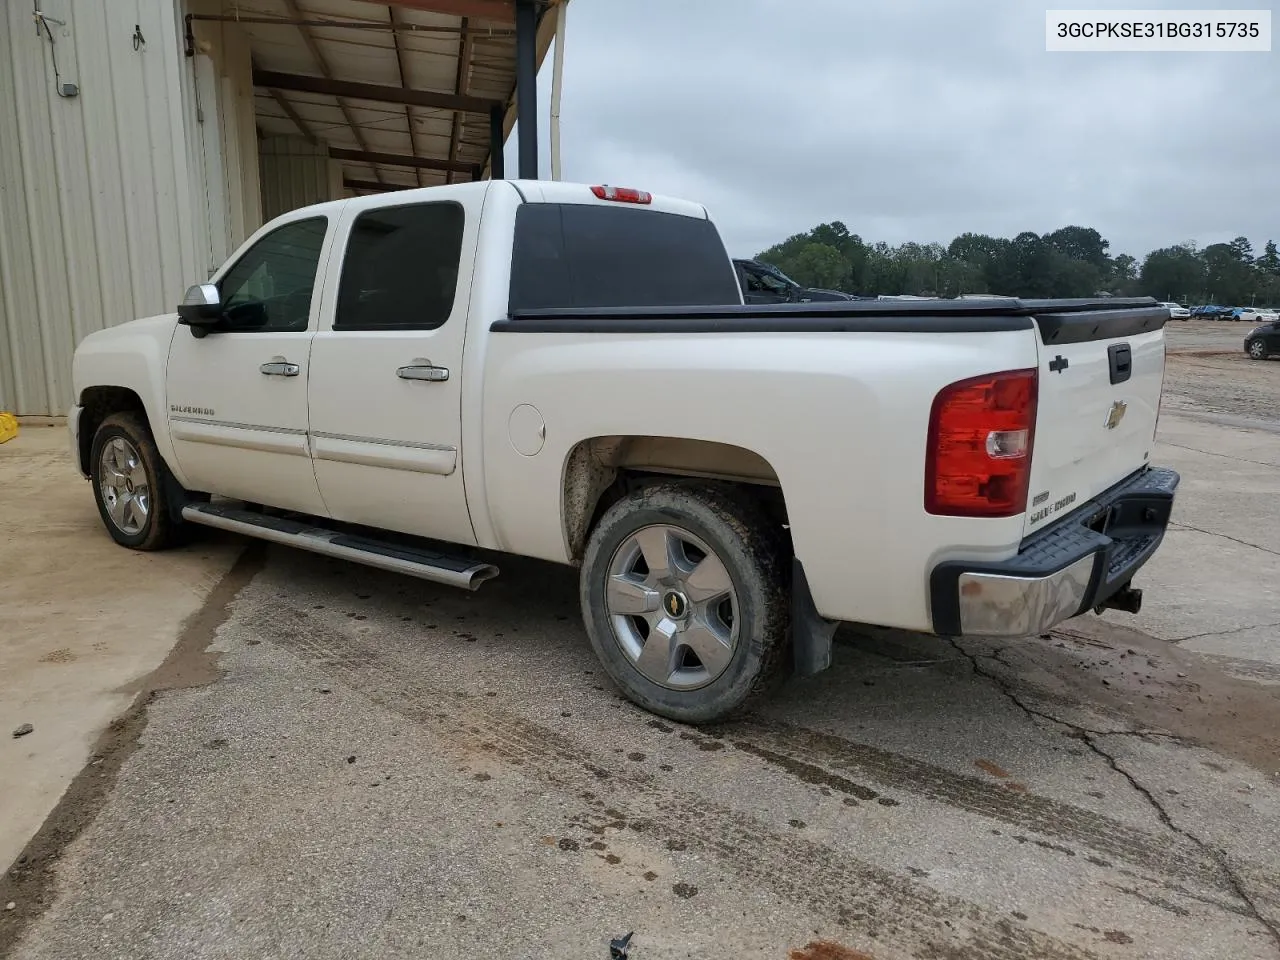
(400, 271)
(589, 255)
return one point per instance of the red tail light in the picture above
(978, 462)
(622, 194)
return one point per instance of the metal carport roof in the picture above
(404, 93)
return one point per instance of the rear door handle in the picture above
(423, 371)
(280, 368)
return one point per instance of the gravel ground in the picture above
(387, 768)
(1209, 375)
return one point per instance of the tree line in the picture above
(1070, 262)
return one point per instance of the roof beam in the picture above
(371, 185)
(404, 82)
(322, 20)
(460, 88)
(292, 114)
(395, 160)
(503, 11)
(323, 64)
(371, 91)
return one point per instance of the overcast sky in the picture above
(916, 120)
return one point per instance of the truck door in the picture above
(237, 398)
(386, 365)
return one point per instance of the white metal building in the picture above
(141, 141)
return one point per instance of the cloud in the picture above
(915, 120)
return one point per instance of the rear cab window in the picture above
(589, 255)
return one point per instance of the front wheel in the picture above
(128, 484)
(1257, 349)
(686, 600)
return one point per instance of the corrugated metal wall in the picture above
(296, 173)
(111, 201)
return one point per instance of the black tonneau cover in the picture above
(1059, 321)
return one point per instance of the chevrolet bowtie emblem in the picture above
(1115, 414)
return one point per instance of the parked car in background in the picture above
(764, 283)
(1177, 311)
(1257, 315)
(1210, 311)
(1264, 341)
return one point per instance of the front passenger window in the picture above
(269, 288)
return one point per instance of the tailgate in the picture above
(1101, 371)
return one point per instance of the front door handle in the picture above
(423, 371)
(280, 368)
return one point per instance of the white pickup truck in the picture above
(422, 380)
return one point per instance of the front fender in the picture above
(133, 356)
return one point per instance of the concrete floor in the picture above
(387, 768)
(81, 623)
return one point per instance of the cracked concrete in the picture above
(1229, 632)
(1218, 854)
(1224, 536)
(1218, 575)
(1221, 456)
(1090, 737)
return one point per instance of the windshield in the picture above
(780, 275)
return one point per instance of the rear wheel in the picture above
(1257, 349)
(685, 598)
(128, 484)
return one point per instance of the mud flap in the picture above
(176, 495)
(811, 633)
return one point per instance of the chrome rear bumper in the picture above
(1081, 562)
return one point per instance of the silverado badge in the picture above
(1115, 414)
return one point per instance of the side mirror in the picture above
(201, 308)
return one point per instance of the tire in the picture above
(722, 603)
(1256, 349)
(122, 459)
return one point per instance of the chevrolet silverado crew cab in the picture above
(423, 381)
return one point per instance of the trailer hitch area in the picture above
(1126, 598)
